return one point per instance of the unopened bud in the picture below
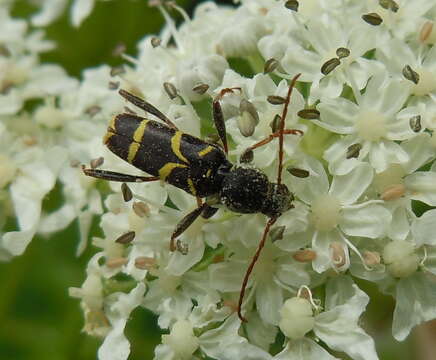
(426, 31)
(270, 66)
(116, 262)
(200, 89)
(275, 123)
(372, 19)
(309, 114)
(300, 173)
(371, 258)
(415, 123)
(144, 263)
(276, 233)
(296, 318)
(339, 256)
(393, 192)
(95, 163)
(126, 238)
(248, 118)
(342, 52)
(400, 258)
(141, 209)
(292, 5)
(389, 5)
(155, 41)
(330, 65)
(117, 70)
(276, 100)
(304, 255)
(127, 193)
(353, 151)
(410, 74)
(170, 89)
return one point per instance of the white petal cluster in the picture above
(362, 174)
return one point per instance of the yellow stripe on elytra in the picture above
(137, 137)
(192, 187)
(165, 170)
(112, 123)
(133, 149)
(175, 146)
(139, 132)
(205, 151)
(107, 136)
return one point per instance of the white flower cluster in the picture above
(362, 174)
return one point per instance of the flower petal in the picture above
(422, 185)
(415, 303)
(368, 220)
(348, 188)
(303, 349)
(338, 327)
(424, 229)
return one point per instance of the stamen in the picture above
(352, 247)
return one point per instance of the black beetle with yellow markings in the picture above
(198, 167)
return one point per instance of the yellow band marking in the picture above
(206, 150)
(165, 170)
(107, 136)
(175, 146)
(208, 172)
(112, 123)
(139, 132)
(133, 149)
(192, 187)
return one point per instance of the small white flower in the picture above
(376, 122)
(337, 326)
(296, 318)
(335, 212)
(120, 305)
(400, 258)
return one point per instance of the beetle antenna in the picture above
(282, 126)
(251, 266)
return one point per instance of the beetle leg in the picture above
(115, 176)
(282, 127)
(146, 106)
(218, 116)
(208, 212)
(270, 222)
(185, 223)
(270, 138)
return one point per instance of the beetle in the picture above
(198, 167)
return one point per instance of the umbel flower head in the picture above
(364, 165)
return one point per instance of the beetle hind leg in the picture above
(116, 176)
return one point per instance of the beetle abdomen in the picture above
(180, 159)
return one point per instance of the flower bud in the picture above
(400, 258)
(182, 340)
(296, 318)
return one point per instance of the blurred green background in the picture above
(38, 320)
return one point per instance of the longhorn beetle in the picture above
(198, 167)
